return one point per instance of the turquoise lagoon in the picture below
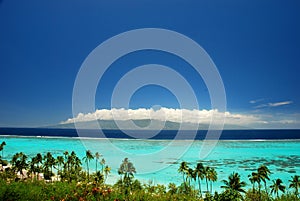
(242, 156)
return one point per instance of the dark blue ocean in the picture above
(276, 134)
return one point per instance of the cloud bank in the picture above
(170, 114)
(195, 116)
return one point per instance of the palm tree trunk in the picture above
(184, 182)
(87, 163)
(199, 183)
(51, 173)
(96, 164)
(259, 186)
(266, 190)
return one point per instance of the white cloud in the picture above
(277, 104)
(261, 106)
(170, 114)
(280, 103)
(256, 101)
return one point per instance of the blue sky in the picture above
(254, 44)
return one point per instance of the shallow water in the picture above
(158, 161)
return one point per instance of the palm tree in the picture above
(88, 157)
(19, 163)
(206, 175)
(32, 168)
(49, 163)
(277, 186)
(99, 178)
(212, 176)
(66, 165)
(102, 162)
(295, 183)
(39, 161)
(97, 156)
(60, 163)
(264, 172)
(254, 178)
(183, 169)
(234, 184)
(199, 171)
(127, 169)
(106, 171)
(172, 188)
(77, 162)
(190, 175)
(2, 147)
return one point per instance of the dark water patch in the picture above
(244, 167)
(251, 169)
(291, 171)
(171, 162)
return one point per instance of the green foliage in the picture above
(3, 162)
(256, 195)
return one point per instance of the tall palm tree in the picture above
(88, 157)
(102, 162)
(234, 184)
(49, 163)
(2, 147)
(183, 169)
(32, 168)
(19, 163)
(255, 178)
(295, 183)
(199, 171)
(106, 171)
(77, 165)
(66, 154)
(277, 186)
(97, 156)
(14, 161)
(23, 163)
(60, 163)
(206, 175)
(264, 172)
(212, 177)
(127, 169)
(39, 161)
(190, 174)
(74, 167)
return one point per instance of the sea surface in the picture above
(157, 159)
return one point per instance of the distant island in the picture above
(142, 124)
